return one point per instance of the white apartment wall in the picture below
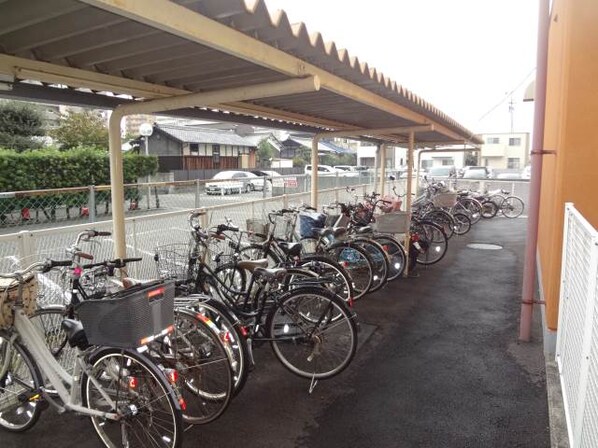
(497, 155)
(436, 159)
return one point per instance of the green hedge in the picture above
(51, 168)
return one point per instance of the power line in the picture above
(507, 95)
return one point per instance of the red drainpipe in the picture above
(529, 270)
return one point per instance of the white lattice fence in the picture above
(577, 343)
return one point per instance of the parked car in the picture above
(508, 176)
(479, 172)
(323, 170)
(275, 179)
(238, 182)
(346, 170)
(440, 172)
(527, 172)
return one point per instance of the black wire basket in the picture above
(130, 318)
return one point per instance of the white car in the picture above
(346, 170)
(234, 182)
(323, 170)
(275, 179)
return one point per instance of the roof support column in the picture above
(117, 190)
(314, 171)
(410, 150)
(382, 168)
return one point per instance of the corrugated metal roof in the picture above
(73, 34)
(190, 134)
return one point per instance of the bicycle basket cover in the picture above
(9, 293)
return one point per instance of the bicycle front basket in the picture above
(9, 294)
(130, 318)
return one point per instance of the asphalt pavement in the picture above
(438, 365)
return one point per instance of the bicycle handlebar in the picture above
(117, 263)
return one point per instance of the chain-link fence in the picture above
(58, 207)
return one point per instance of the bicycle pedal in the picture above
(47, 397)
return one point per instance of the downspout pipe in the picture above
(408, 201)
(267, 90)
(529, 269)
(314, 171)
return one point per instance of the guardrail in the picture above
(577, 340)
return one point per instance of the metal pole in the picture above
(117, 188)
(92, 203)
(147, 178)
(382, 167)
(196, 193)
(314, 171)
(529, 269)
(376, 161)
(408, 198)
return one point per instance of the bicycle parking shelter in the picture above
(222, 60)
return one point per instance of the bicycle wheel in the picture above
(338, 280)
(395, 254)
(489, 209)
(313, 333)
(256, 251)
(130, 384)
(443, 219)
(20, 383)
(198, 351)
(470, 207)
(462, 223)
(228, 323)
(433, 243)
(379, 259)
(512, 207)
(358, 264)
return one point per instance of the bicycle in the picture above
(123, 391)
(510, 206)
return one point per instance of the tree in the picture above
(81, 129)
(471, 159)
(19, 124)
(265, 151)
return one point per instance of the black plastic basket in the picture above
(129, 318)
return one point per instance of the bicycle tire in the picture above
(489, 209)
(324, 266)
(227, 321)
(24, 413)
(202, 360)
(379, 259)
(297, 351)
(395, 253)
(442, 218)
(433, 241)
(134, 365)
(462, 223)
(512, 207)
(344, 253)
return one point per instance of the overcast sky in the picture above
(463, 56)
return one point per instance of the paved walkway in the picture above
(439, 366)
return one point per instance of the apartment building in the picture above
(505, 150)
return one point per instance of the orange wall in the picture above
(571, 130)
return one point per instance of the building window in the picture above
(493, 140)
(446, 161)
(514, 141)
(513, 163)
(194, 149)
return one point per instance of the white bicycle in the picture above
(128, 398)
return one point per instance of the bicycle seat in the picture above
(269, 274)
(363, 230)
(75, 333)
(129, 282)
(292, 249)
(252, 265)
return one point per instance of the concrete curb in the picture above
(559, 437)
